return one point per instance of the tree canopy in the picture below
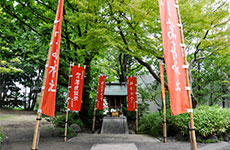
(115, 38)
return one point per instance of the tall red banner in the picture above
(131, 91)
(49, 95)
(76, 88)
(173, 57)
(100, 92)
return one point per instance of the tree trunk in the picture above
(35, 95)
(211, 93)
(85, 107)
(198, 82)
(1, 91)
(123, 63)
(224, 91)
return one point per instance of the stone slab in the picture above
(111, 146)
(216, 146)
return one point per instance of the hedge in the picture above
(208, 120)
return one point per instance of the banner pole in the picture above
(194, 145)
(39, 113)
(136, 121)
(67, 105)
(94, 119)
(164, 102)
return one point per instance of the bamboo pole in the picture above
(194, 145)
(136, 121)
(67, 104)
(164, 102)
(94, 119)
(39, 113)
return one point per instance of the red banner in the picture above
(76, 88)
(173, 57)
(49, 95)
(131, 91)
(100, 92)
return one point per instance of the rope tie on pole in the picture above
(190, 110)
(182, 45)
(185, 66)
(188, 88)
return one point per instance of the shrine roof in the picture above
(115, 89)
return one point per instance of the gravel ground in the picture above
(18, 127)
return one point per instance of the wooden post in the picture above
(94, 119)
(39, 113)
(136, 121)
(164, 130)
(67, 104)
(187, 80)
(164, 102)
(190, 135)
(120, 105)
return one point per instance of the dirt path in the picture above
(18, 127)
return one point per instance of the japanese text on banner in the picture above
(76, 88)
(100, 92)
(132, 97)
(49, 95)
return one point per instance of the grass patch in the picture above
(5, 117)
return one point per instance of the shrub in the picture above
(73, 118)
(208, 120)
(59, 123)
(151, 124)
(1, 135)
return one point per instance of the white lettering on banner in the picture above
(54, 55)
(77, 82)
(162, 3)
(76, 87)
(55, 34)
(56, 21)
(176, 68)
(172, 37)
(53, 69)
(171, 33)
(78, 75)
(178, 85)
(51, 86)
(169, 11)
(173, 50)
(76, 92)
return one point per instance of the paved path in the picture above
(140, 142)
(19, 127)
(128, 146)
